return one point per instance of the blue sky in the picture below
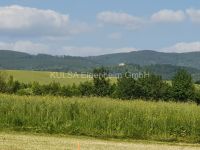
(95, 27)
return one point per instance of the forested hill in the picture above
(161, 63)
(148, 57)
(165, 70)
(24, 61)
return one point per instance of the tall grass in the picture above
(101, 117)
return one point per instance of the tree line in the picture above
(152, 87)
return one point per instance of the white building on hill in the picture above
(122, 64)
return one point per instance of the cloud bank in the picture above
(121, 19)
(183, 47)
(18, 23)
(18, 20)
(194, 15)
(168, 16)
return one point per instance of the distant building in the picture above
(122, 64)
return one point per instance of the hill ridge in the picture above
(20, 60)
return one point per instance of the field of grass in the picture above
(101, 117)
(198, 87)
(19, 141)
(44, 77)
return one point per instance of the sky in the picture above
(96, 27)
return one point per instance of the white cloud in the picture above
(194, 15)
(126, 49)
(183, 47)
(168, 16)
(18, 20)
(122, 19)
(25, 46)
(43, 48)
(93, 51)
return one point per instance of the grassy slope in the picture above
(44, 142)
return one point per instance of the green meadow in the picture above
(44, 77)
(101, 117)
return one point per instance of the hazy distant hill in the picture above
(23, 61)
(161, 63)
(167, 71)
(148, 57)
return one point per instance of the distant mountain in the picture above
(164, 64)
(24, 61)
(165, 70)
(148, 57)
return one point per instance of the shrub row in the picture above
(149, 88)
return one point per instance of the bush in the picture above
(12, 86)
(127, 87)
(66, 91)
(86, 88)
(26, 92)
(182, 86)
(153, 87)
(70, 91)
(75, 90)
(52, 89)
(101, 82)
(3, 78)
(37, 89)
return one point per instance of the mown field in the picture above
(101, 117)
(21, 141)
(44, 77)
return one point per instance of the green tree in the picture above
(153, 87)
(3, 77)
(52, 89)
(86, 88)
(12, 86)
(27, 91)
(75, 90)
(102, 86)
(127, 87)
(182, 86)
(37, 88)
(66, 91)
